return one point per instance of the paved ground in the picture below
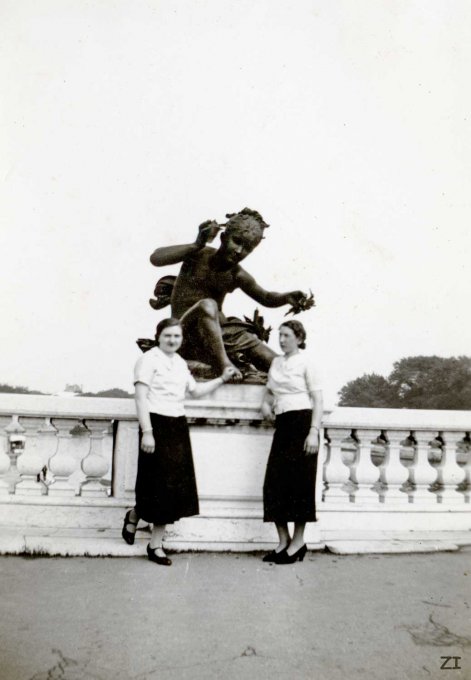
(232, 617)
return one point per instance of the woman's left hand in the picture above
(229, 373)
(311, 445)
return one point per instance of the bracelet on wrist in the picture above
(149, 429)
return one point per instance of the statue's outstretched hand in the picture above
(299, 301)
(207, 232)
(296, 297)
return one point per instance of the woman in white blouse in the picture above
(294, 399)
(165, 483)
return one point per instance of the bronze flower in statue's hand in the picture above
(207, 232)
(302, 304)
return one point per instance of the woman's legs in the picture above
(155, 552)
(283, 535)
(297, 541)
(155, 544)
(131, 526)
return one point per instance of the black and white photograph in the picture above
(235, 366)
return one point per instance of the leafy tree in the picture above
(370, 391)
(433, 382)
(415, 382)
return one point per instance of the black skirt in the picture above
(166, 483)
(290, 478)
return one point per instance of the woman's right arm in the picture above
(267, 406)
(143, 415)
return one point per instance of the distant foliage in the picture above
(372, 391)
(114, 392)
(415, 382)
(10, 389)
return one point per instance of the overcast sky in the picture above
(126, 124)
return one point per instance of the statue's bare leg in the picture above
(202, 320)
(261, 357)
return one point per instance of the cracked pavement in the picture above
(231, 616)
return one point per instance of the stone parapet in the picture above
(380, 470)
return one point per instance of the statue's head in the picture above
(243, 232)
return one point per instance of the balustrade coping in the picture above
(345, 417)
(234, 402)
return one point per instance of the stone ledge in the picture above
(108, 543)
(389, 547)
(391, 542)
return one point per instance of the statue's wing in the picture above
(163, 292)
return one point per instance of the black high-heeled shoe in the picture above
(128, 536)
(164, 561)
(272, 556)
(284, 558)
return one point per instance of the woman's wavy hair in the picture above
(298, 329)
(165, 323)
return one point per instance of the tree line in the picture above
(114, 392)
(426, 382)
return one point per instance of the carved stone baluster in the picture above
(363, 472)
(4, 457)
(30, 462)
(125, 456)
(63, 463)
(94, 465)
(450, 474)
(336, 473)
(393, 473)
(422, 474)
(47, 444)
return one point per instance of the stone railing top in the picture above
(233, 402)
(66, 407)
(396, 418)
(228, 401)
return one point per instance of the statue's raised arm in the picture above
(173, 254)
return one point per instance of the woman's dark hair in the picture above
(298, 329)
(165, 323)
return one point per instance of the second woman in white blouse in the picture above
(294, 399)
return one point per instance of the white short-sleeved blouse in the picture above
(168, 379)
(291, 381)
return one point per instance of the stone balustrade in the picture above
(379, 469)
(397, 457)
